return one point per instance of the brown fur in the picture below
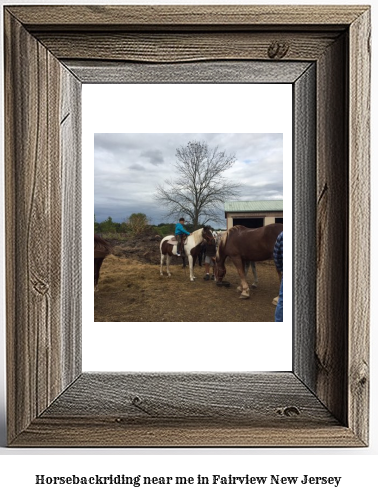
(166, 248)
(102, 249)
(242, 244)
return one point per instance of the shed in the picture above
(253, 213)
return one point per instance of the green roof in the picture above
(254, 206)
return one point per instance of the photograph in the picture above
(195, 206)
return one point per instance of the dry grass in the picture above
(130, 290)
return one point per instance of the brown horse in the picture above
(102, 248)
(243, 244)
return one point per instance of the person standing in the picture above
(209, 260)
(278, 260)
(179, 232)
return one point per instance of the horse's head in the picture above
(207, 235)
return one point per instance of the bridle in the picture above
(207, 237)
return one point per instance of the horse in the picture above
(200, 252)
(244, 244)
(102, 249)
(248, 264)
(168, 247)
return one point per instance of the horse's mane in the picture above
(238, 227)
(197, 234)
(197, 231)
(225, 235)
(102, 245)
(223, 241)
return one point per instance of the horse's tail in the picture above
(163, 240)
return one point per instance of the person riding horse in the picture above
(179, 232)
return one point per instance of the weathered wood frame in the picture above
(49, 53)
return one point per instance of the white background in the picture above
(357, 466)
(224, 347)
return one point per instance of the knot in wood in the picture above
(289, 411)
(41, 287)
(278, 50)
(363, 381)
(136, 400)
(138, 403)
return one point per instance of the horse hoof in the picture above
(242, 296)
(254, 286)
(223, 283)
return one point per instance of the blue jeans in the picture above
(279, 308)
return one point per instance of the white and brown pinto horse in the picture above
(102, 249)
(168, 247)
(244, 245)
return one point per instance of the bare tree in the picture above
(200, 189)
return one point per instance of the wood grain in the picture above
(180, 47)
(34, 245)
(304, 228)
(332, 230)
(198, 72)
(187, 410)
(359, 227)
(173, 396)
(71, 189)
(185, 16)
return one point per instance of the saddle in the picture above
(173, 240)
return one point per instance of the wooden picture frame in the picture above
(49, 52)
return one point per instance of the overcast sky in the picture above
(128, 167)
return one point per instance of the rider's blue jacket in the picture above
(180, 229)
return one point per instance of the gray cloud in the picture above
(137, 167)
(128, 167)
(155, 156)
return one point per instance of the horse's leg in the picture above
(256, 280)
(168, 261)
(190, 260)
(161, 263)
(246, 264)
(95, 276)
(97, 266)
(238, 263)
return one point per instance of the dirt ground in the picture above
(131, 289)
